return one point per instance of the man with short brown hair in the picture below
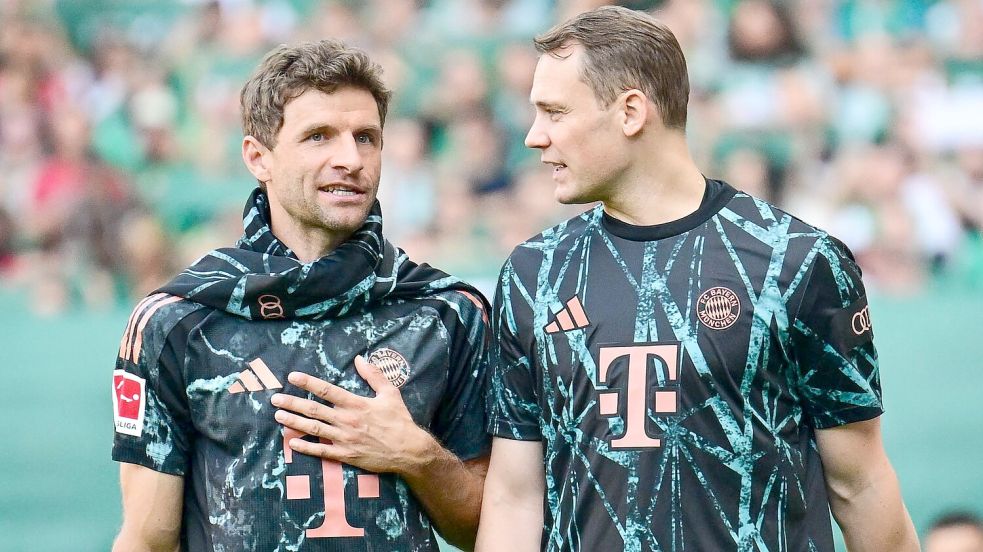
(311, 388)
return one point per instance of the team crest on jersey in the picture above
(392, 364)
(129, 402)
(718, 308)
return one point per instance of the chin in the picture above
(569, 197)
(346, 226)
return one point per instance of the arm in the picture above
(152, 504)
(512, 512)
(864, 494)
(378, 434)
(450, 491)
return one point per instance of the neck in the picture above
(663, 183)
(308, 242)
(309, 246)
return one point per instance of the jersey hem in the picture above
(517, 434)
(847, 417)
(483, 452)
(129, 455)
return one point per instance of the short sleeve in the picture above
(150, 408)
(513, 405)
(837, 373)
(460, 418)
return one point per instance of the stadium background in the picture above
(119, 164)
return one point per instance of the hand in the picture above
(373, 433)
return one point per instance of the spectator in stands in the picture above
(955, 532)
(791, 91)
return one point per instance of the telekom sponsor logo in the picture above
(664, 400)
(333, 478)
(129, 402)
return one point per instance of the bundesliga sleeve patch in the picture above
(129, 402)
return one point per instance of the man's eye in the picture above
(317, 137)
(365, 138)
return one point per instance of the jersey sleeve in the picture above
(460, 418)
(150, 408)
(837, 373)
(513, 404)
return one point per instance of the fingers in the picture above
(304, 407)
(373, 375)
(327, 391)
(322, 450)
(306, 426)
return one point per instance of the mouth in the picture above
(557, 166)
(341, 190)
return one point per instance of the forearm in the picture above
(152, 509)
(873, 517)
(512, 508)
(510, 523)
(449, 490)
(134, 541)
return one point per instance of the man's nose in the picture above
(537, 137)
(346, 155)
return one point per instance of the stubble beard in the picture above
(340, 223)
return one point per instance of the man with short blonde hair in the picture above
(683, 367)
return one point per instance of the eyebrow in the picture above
(327, 128)
(547, 105)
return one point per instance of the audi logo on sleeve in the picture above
(860, 321)
(851, 326)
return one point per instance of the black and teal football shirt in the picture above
(676, 375)
(199, 361)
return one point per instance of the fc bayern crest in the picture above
(392, 364)
(718, 308)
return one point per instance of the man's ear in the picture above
(256, 157)
(635, 111)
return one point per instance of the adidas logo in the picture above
(571, 317)
(257, 379)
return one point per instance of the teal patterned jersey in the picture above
(676, 375)
(200, 360)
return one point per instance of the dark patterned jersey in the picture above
(676, 375)
(192, 395)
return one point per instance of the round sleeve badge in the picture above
(392, 364)
(718, 308)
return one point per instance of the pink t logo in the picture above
(335, 519)
(665, 401)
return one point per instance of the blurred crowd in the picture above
(120, 132)
(954, 531)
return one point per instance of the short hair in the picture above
(290, 70)
(626, 49)
(957, 518)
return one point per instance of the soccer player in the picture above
(683, 367)
(312, 298)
